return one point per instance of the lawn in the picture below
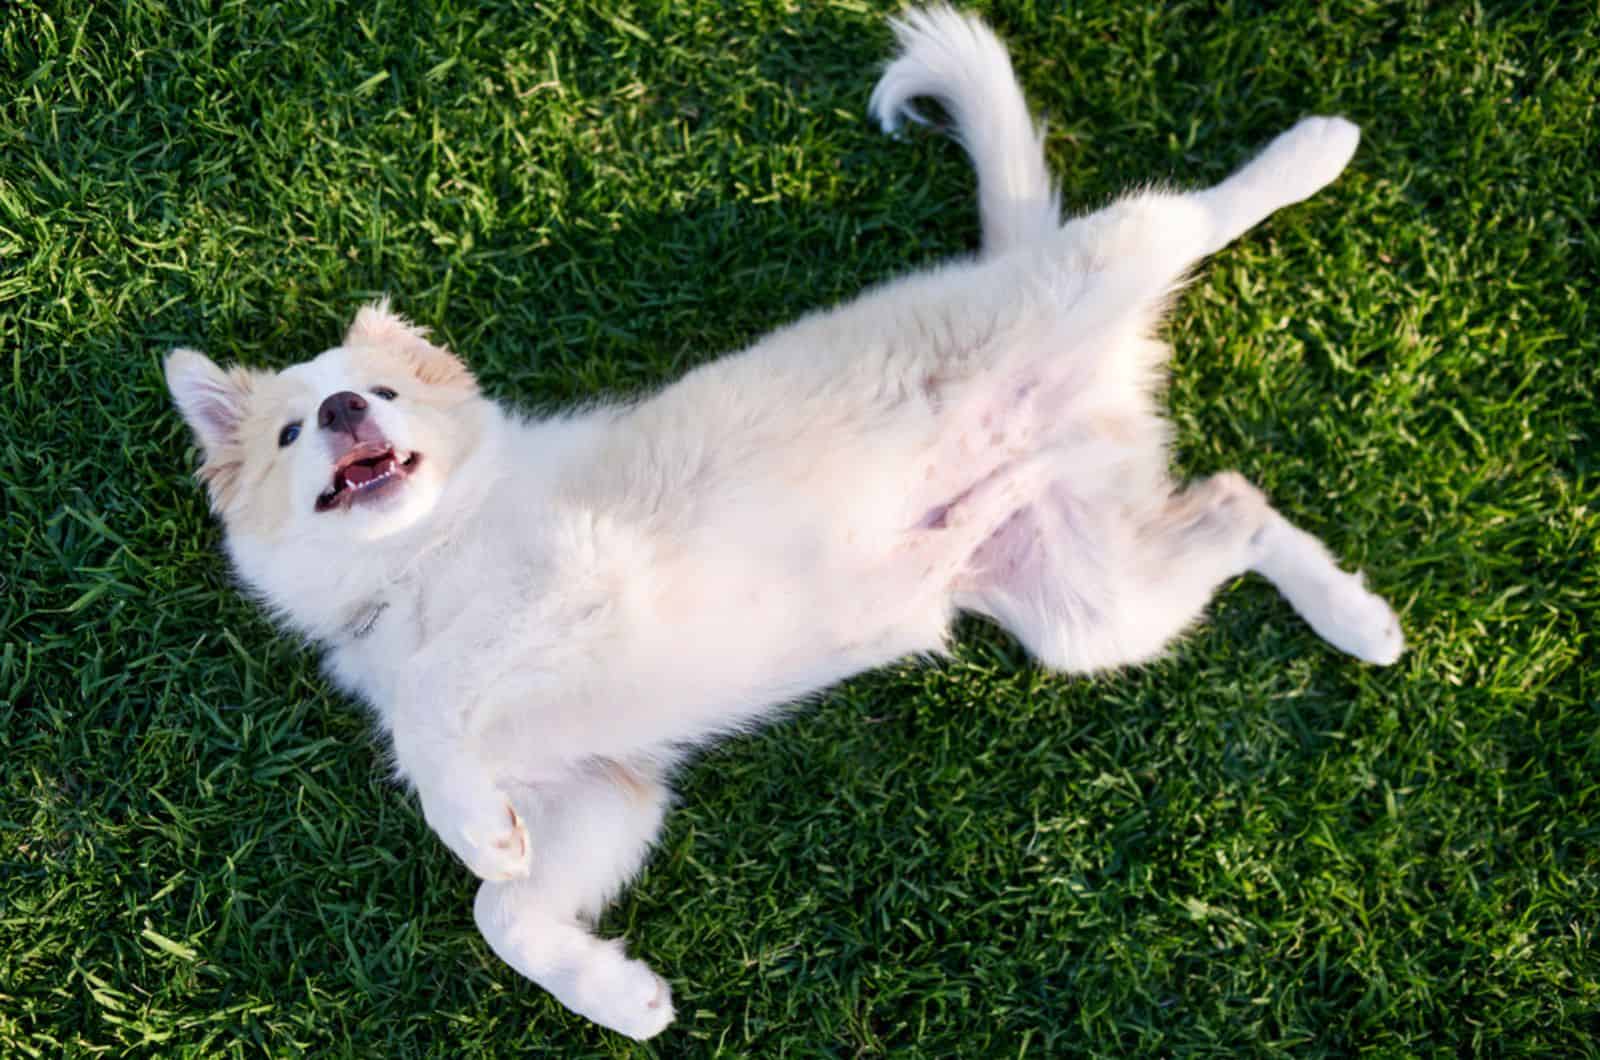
(1255, 845)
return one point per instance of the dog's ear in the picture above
(213, 402)
(378, 325)
(211, 399)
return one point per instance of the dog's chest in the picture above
(373, 652)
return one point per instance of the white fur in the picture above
(956, 60)
(585, 599)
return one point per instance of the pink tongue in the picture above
(356, 474)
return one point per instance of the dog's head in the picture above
(337, 453)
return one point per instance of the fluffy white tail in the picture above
(957, 60)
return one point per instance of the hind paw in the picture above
(1359, 622)
(1310, 155)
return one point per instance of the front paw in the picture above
(622, 994)
(484, 830)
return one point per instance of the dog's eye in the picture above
(288, 435)
(385, 393)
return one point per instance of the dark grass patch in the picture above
(1255, 845)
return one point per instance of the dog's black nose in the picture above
(342, 411)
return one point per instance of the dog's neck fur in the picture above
(365, 619)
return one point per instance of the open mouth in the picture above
(366, 472)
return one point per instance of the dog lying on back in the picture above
(547, 616)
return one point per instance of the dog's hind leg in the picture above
(1224, 526)
(1293, 167)
(1085, 589)
(590, 836)
(1087, 584)
(1333, 602)
(1162, 233)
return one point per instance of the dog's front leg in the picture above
(462, 803)
(594, 830)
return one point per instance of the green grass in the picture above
(1252, 846)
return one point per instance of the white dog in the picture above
(547, 616)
